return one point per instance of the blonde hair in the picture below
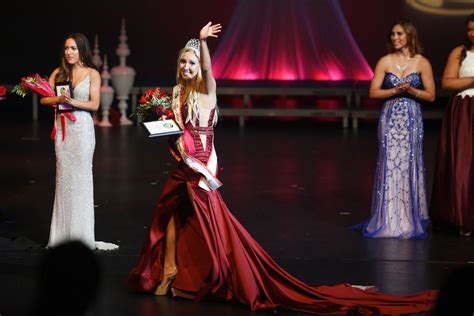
(193, 96)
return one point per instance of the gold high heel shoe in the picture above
(168, 279)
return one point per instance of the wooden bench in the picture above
(323, 89)
(361, 90)
(357, 114)
(352, 92)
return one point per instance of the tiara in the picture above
(193, 43)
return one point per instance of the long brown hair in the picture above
(85, 57)
(467, 42)
(414, 46)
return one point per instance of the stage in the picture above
(296, 185)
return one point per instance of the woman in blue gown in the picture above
(403, 78)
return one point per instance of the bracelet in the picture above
(417, 93)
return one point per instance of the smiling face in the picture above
(188, 65)
(71, 51)
(398, 37)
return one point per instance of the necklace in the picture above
(404, 67)
(401, 68)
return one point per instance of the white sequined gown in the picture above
(73, 212)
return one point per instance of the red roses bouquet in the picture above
(3, 91)
(35, 83)
(154, 104)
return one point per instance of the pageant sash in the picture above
(186, 150)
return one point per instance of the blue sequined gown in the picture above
(399, 200)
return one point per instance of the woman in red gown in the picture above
(199, 250)
(452, 199)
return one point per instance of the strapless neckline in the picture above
(403, 78)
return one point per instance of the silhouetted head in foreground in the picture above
(68, 280)
(456, 296)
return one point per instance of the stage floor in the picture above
(297, 186)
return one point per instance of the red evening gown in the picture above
(218, 259)
(452, 199)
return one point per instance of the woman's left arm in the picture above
(208, 30)
(429, 92)
(94, 93)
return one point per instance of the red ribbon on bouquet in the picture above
(38, 85)
(62, 118)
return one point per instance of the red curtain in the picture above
(289, 40)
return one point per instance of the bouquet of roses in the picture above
(154, 104)
(35, 83)
(3, 91)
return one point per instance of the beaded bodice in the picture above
(81, 91)
(203, 135)
(391, 80)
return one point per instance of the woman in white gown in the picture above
(73, 212)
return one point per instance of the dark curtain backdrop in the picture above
(32, 32)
